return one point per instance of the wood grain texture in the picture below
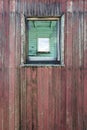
(23, 99)
(85, 65)
(43, 98)
(1, 77)
(12, 72)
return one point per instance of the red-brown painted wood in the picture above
(40, 99)
(23, 99)
(80, 70)
(6, 72)
(68, 63)
(1, 72)
(29, 100)
(85, 65)
(43, 98)
(12, 71)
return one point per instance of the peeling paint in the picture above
(69, 6)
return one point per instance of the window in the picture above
(45, 40)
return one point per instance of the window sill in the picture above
(42, 65)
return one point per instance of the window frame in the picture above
(24, 42)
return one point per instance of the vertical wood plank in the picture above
(5, 100)
(1, 107)
(51, 111)
(34, 98)
(1, 66)
(68, 63)
(85, 35)
(5, 65)
(1, 75)
(17, 64)
(45, 85)
(29, 99)
(17, 99)
(43, 98)
(75, 66)
(18, 39)
(52, 99)
(12, 72)
(63, 98)
(23, 99)
(80, 68)
(57, 78)
(85, 64)
(40, 99)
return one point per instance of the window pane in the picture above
(43, 38)
(43, 45)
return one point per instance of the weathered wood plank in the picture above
(85, 100)
(75, 69)
(34, 98)
(80, 99)
(63, 98)
(18, 39)
(12, 72)
(85, 40)
(23, 99)
(1, 97)
(40, 98)
(57, 107)
(29, 99)
(1, 43)
(52, 100)
(85, 65)
(5, 100)
(17, 63)
(5, 39)
(69, 99)
(1, 73)
(68, 63)
(45, 86)
(80, 69)
(17, 99)
(11, 99)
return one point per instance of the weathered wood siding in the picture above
(43, 98)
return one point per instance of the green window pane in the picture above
(42, 33)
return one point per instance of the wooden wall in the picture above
(43, 98)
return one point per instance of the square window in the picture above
(45, 40)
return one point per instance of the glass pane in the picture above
(43, 45)
(43, 38)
